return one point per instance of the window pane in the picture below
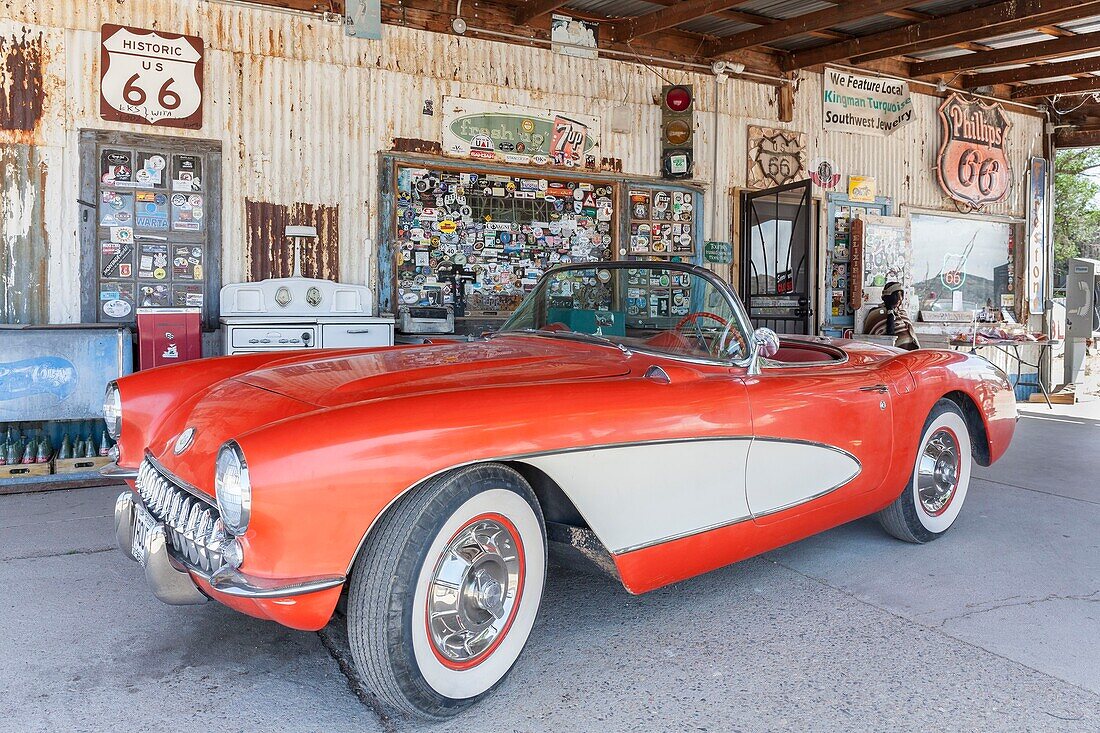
(960, 264)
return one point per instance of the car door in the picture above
(822, 433)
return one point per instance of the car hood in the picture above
(342, 378)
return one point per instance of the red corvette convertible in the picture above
(625, 416)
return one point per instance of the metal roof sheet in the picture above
(784, 9)
(612, 8)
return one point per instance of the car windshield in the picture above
(646, 306)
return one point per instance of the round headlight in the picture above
(232, 488)
(112, 411)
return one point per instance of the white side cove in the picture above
(638, 495)
(782, 474)
(634, 496)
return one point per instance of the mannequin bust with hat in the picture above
(891, 318)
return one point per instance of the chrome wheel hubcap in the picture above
(938, 472)
(474, 590)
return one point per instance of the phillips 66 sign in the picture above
(972, 165)
(150, 77)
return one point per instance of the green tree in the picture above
(1076, 216)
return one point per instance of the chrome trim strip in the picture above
(113, 470)
(815, 497)
(680, 536)
(233, 582)
(178, 482)
(606, 446)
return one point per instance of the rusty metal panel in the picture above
(271, 253)
(24, 244)
(21, 87)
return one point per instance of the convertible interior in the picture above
(655, 307)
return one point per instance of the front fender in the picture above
(320, 480)
(150, 395)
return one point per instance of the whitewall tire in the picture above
(937, 487)
(446, 589)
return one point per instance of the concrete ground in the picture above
(995, 627)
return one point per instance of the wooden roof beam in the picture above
(532, 9)
(1039, 51)
(743, 16)
(992, 20)
(801, 24)
(1054, 88)
(1069, 138)
(627, 29)
(1032, 71)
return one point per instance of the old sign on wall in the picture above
(867, 105)
(150, 77)
(972, 165)
(510, 134)
(1037, 188)
(775, 156)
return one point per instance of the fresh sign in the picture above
(507, 133)
(150, 77)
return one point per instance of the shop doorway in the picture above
(778, 257)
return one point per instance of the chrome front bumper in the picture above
(166, 577)
(170, 577)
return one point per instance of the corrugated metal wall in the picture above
(303, 111)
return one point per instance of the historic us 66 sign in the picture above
(972, 165)
(150, 77)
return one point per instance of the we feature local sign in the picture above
(509, 134)
(866, 105)
(150, 77)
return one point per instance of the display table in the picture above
(1011, 349)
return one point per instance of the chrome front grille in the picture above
(192, 523)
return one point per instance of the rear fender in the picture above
(981, 390)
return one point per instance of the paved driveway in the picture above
(994, 627)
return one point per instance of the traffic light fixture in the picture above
(677, 130)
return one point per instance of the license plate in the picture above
(143, 524)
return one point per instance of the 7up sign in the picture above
(150, 77)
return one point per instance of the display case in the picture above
(838, 314)
(52, 381)
(495, 232)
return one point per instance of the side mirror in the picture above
(765, 344)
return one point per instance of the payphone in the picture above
(1082, 313)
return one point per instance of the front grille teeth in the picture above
(190, 521)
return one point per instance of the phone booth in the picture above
(168, 335)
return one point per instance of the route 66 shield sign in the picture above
(150, 77)
(953, 276)
(972, 165)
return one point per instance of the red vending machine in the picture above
(168, 335)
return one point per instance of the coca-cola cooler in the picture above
(168, 335)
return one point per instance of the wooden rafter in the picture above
(801, 24)
(497, 17)
(985, 22)
(1033, 71)
(1027, 52)
(308, 6)
(1071, 138)
(532, 9)
(627, 29)
(1054, 88)
(744, 16)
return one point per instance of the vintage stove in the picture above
(297, 312)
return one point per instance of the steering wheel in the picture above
(693, 318)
